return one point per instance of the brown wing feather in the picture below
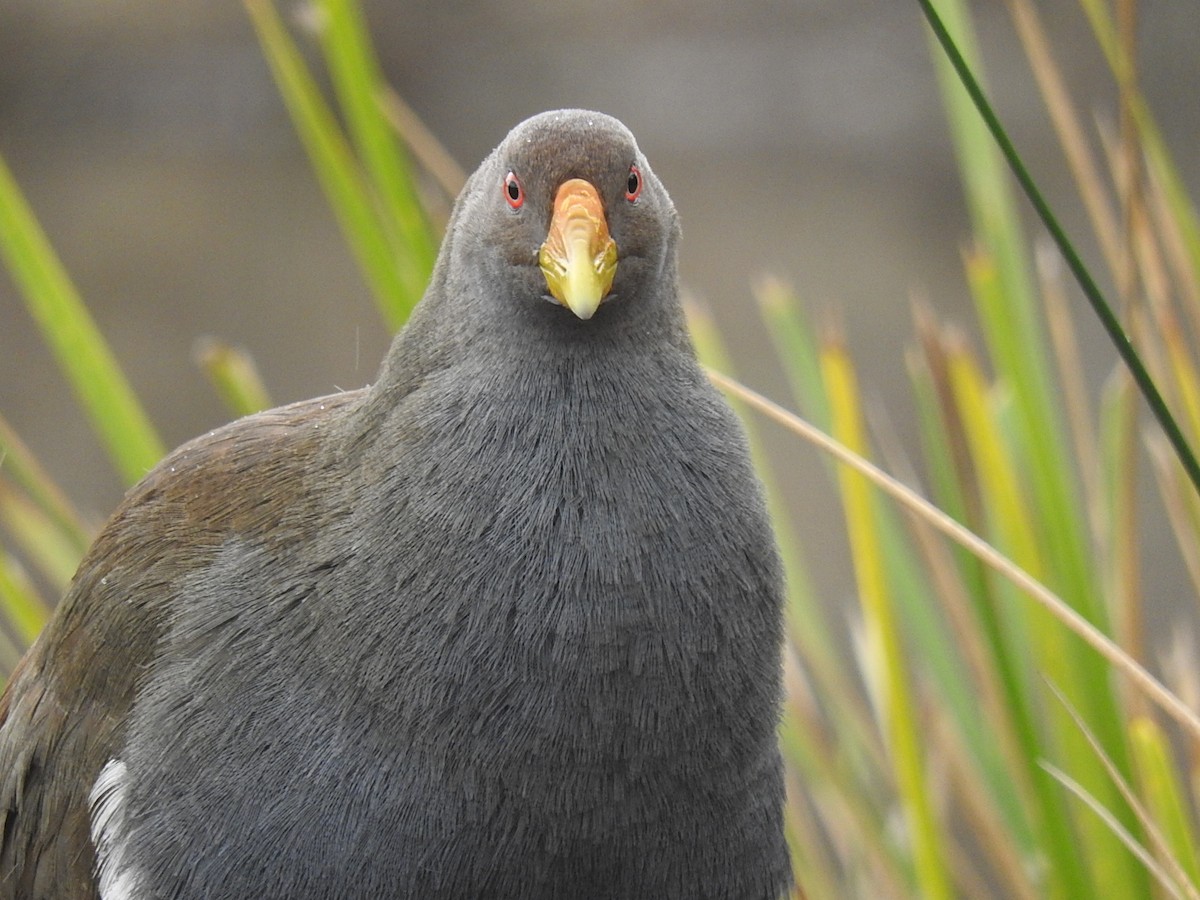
(62, 716)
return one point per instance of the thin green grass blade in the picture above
(432, 158)
(23, 607)
(795, 347)
(1119, 532)
(1150, 829)
(359, 85)
(333, 162)
(1123, 834)
(20, 466)
(234, 376)
(68, 328)
(39, 538)
(1165, 796)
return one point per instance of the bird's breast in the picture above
(573, 562)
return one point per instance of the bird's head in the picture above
(569, 212)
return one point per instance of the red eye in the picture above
(513, 192)
(633, 187)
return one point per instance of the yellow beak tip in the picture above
(584, 309)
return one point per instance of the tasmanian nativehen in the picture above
(504, 624)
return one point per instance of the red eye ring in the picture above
(513, 192)
(633, 187)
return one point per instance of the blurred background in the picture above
(803, 139)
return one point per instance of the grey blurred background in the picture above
(800, 138)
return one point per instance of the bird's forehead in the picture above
(570, 144)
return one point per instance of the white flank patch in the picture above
(118, 881)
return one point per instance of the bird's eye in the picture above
(513, 192)
(633, 187)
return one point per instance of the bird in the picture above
(505, 623)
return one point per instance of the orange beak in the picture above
(578, 257)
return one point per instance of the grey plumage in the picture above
(505, 624)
